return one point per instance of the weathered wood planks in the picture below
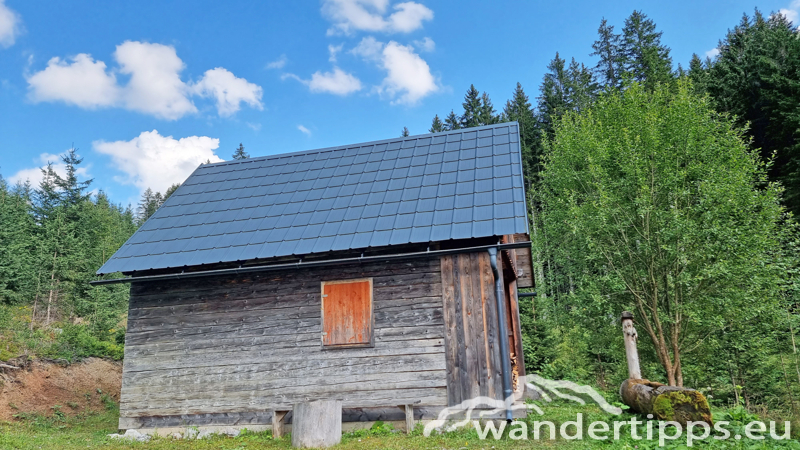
(217, 347)
(470, 316)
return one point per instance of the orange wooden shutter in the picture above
(347, 308)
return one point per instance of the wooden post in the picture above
(409, 418)
(317, 424)
(277, 423)
(631, 353)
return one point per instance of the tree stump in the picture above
(317, 424)
(670, 403)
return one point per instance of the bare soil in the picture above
(41, 387)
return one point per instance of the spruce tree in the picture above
(405, 132)
(452, 121)
(239, 153)
(473, 108)
(607, 48)
(436, 125)
(643, 57)
(756, 78)
(519, 109)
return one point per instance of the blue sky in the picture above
(148, 89)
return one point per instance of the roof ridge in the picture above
(340, 147)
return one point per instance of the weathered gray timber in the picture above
(317, 424)
(470, 315)
(225, 350)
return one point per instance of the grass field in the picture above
(90, 430)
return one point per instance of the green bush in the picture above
(77, 342)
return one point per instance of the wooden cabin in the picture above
(362, 273)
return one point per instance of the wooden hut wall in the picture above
(228, 349)
(471, 336)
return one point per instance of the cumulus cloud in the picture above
(278, 63)
(371, 15)
(154, 83)
(336, 82)
(155, 86)
(792, 12)
(426, 44)
(712, 53)
(304, 130)
(10, 25)
(82, 82)
(154, 161)
(228, 90)
(408, 76)
(34, 174)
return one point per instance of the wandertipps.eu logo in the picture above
(484, 407)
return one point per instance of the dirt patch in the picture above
(44, 387)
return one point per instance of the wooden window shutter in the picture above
(347, 313)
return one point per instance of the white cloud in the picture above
(155, 161)
(304, 130)
(278, 63)
(370, 15)
(10, 25)
(792, 12)
(333, 50)
(426, 44)
(34, 174)
(336, 82)
(409, 17)
(369, 48)
(154, 86)
(712, 53)
(229, 91)
(409, 77)
(253, 126)
(83, 82)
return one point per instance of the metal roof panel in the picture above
(402, 190)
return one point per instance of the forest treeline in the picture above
(663, 190)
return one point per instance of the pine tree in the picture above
(436, 125)
(148, 205)
(698, 74)
(472, 108)
(643, 57)
(452, 121)
(73, 191)
(564, 89)
(171, 190)
(487, 114)
(607, 47)
(519, 109)
(405, 132)
(239, 153)
(756, 78)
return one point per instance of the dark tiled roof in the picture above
(435, 187)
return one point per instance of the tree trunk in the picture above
(52, 289)
(670, 403)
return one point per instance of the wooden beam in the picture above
(409, 418)
(277, 423)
